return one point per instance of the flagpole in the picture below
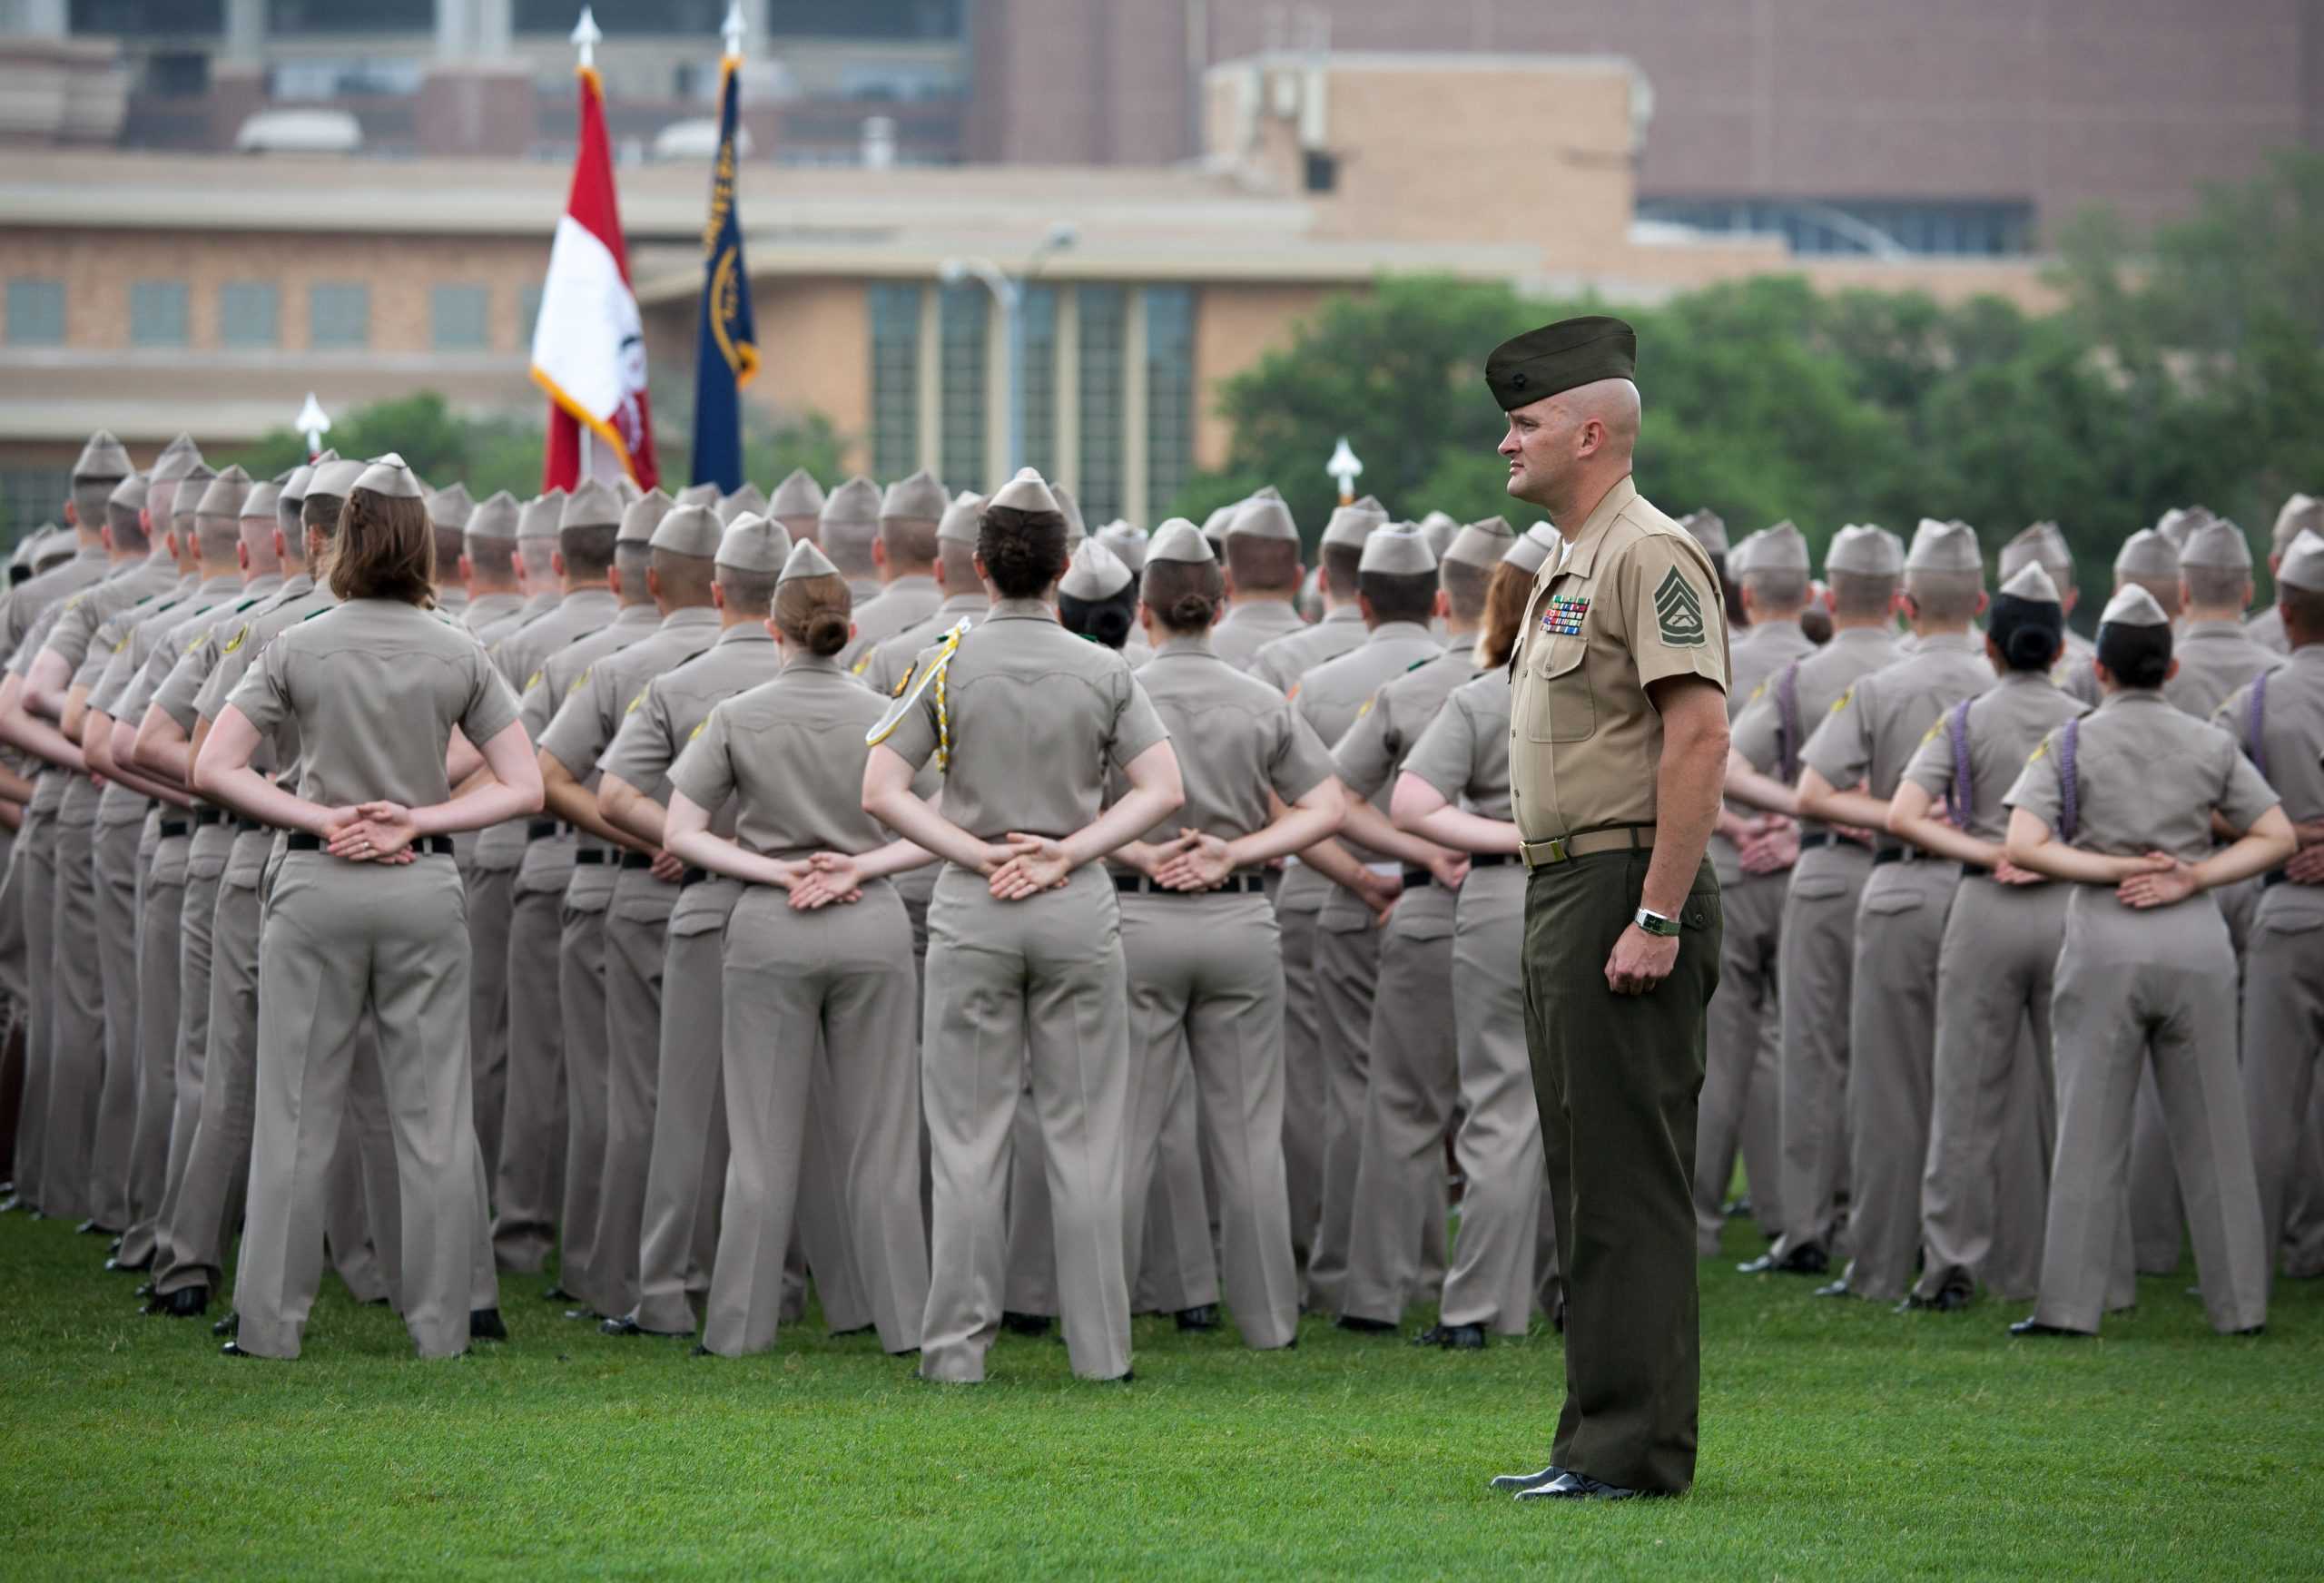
(584, 39)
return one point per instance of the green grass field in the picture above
(1839, 1441)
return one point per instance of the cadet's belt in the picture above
(594, 857)
(203, 817)
(1416, 878)
(1809, 839)
(638, 860)
(2273, 878)
(247, 826)
(543, 829)
(1234, 885)
(175, 827)
(1900, 855)
(695, 877)
(434, 846)
(1588, 843)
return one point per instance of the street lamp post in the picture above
(1009, 292)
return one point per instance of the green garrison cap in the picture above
(1400, 551)
(688, 530)
(752, 544)
(1261, 515)
(2303, 564)
(642, 516)
(129, 493)
(806, 560)
(450, 506)
(102, 459)
(959, 522)
(2146, 553)
(2218, 544)
(1180, 540)
(1708, 528)
(1864, 550)
(1533, 547)
(1944, 546)
(797, 496)
(495, 517)
(1481, 544)
(917, 498)
(2033, 584)
(744, 500)
(259, 502)
(387, 475)
(2301, 514)
(1094, 572)
(2133, 605)
(592, 505)
(1560, 356)
(1127, 540)
(855, 502)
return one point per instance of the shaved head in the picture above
(1566, 451)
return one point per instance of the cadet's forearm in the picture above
(14, 788)
(1335, 863)
(1687, 786)
(1859, 809)
(76, 711)
(1156, 792)
(22, 729)
(1368, 827)
(625, 807)
(1310, 819)
(2268, 843)
(164, 750)
(574, 803)
(1746, 784)
(2032, 845)
(888, 798)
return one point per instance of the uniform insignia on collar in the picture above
(1679, 611)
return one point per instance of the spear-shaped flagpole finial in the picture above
(584, 37)
(314, 423)
(1345, 467)
(733, 28)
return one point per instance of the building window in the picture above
(528, 312)
(964, 309)
(1850, 225)
(1170, 396)
(458, 318)
(338, 316)
(895, 380)
(1041, 380)
(36, 312)
(250, 313)
(162, 18)
(30, 496)
(1105, 323)
(157, 313)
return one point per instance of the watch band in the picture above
(1654, 923)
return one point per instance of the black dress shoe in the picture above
(1838, 1288)
(701, 1351)
(1738, 1206)
(13, 1202)
(485, 1325)
(90, 1227)
(1807, 1259)
(837, 1335)
(1948, 1300)
(192, 1302)
(579, 1315)
(1362, 1326)
(556, 1294)
(1026, 1324)
(630, 1327)
(112, 1248)
(1577, 1487)
(144, 1289)
(2034, 1327)
(1453, 1338)
(1510, 1483)
(115, 1266)
(2248, 1330)
(1203, 1316)
(230, 1325)
(234, 1350)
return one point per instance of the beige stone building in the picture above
(150, 292)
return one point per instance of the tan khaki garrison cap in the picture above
(129, 493)
(335, 476)
(495, 518)
(177, 458)
(1439, 530)
(626, 489)
(920, 498)
(1944, 546)
(101, 460)
(752, 544)
(1126, 541)
(225, 493)
(699, 495)
(1479, 544)
(1094, 572)
(450, 506)
(259, 502)
(1864, 550)
(387, 475)
(797, 496)
(1074, 531)
(1780, 548)
(2218, 545)
(1028, 491)
(1261, 516)
(2180, 521)
(1709, 529)
(592, 505)
(642, 516)
(2303, 564)
(1400, 551)
(2301, 513)
(688, 530)
(855, 502)
(1178, 539)
(806, 560)
(2033, 584)
(1351, 525)
(542, 515)
(2133, 605)
(959, 522)
(2146, 553)
(2043, 542)
(744, 500)
(1216, 527)
(294, 488)
(1533, 547)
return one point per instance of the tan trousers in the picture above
(76, 1034)
(198, 913)
(217, 1167)
(1742, 1102)
(581, 1001)
(337, 940)
(2284, 1039)
(1347, 966)
(31, 877)
(126, 1182)
(1037, 982)
(1400, 1194)
(841, 977)
(1814, 963)
(150, 1020)
(1029, 1284)
(2133, 990)
(1176, 1267)
(362, 1215)
(1503, 1208)
(1206, 1001)
(491, 898)
(1297, 900)
(636, 940)
(687, 1174)
(528, 1187)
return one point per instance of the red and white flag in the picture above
(588, 344)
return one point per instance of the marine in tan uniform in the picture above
(1996, 967)
(2121, 803)
(1818, 929)
(1396, 595)
(905, 553)
(2279, 721)
(814, 957)
(1743, 1075)
(1396, 1239)
(1850, 769)
(528, 1185)
(1262, 572)
(1453, 791)
(1024, 958)
(1617, 733)
(365, 909)
(2301, 513)
(847, 529)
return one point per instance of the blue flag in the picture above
(726, 353)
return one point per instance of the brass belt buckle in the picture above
(1551, 851)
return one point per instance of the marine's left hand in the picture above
(1639, 961)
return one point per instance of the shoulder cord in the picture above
(1788, 743)
(1960, 797)
(2069, 787)
(2255, 724)
(943, 722)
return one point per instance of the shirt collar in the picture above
(959, 605)
(2135, 698)
(691, 616)
(1339, 613)
(632, 616)
(298, 585)
(2212, 629)
(219, 587)
(745, 632)
(1583, 555)
(798, 661)
(1020, 610)
(1397, 631)
(1191, 643)
(1965, 643)
(910, 583)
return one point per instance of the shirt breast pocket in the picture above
(1561, 706)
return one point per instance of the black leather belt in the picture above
(544, 829)
(1900, 855)
(435, 846)
(1416, 878)
(175, 827)
(594, 857)
(1809, 839)
(695, 877)
(2273, 878)
(248, 826)
(637, 860)
(204, 817)
(1234, 885)
(1974, 872)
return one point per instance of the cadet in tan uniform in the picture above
(1283, 661)
(1995, 968)
(1453, 790)
(1618, 735)
(905, 553)
(529, 1185)
(537, 525)
(847, 529)
(686, 1178)
(1818, 929)
(746, 501)
(1263, 573)
(830, 963)
(449, 510)
(377, 687)
(1024, 956)
(1412, 1083)
(1866, 740)
(1200, 936)
(2301, 514)
(1743, 1075)
(487, 567)
(796, 507)
(2044, 545)
(1397, 593)
(2279, 721)
(2121, 803)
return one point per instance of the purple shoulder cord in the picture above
(1788, 743)
(1956, 727)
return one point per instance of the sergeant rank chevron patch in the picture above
(1680, 611)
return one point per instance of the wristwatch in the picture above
(1654, 923)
